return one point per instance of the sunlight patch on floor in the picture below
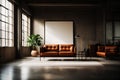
(60, 63)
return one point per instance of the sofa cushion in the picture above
(51, 47)
(111, 49)
(66, 47)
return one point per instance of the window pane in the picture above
(10, 20)
(3, 11)
(0, 42)
(28, 31)
(3, 2)
(6, 13)
(0, 1)
(7, 35)
(10, 35)
(0, 17)
(25, 28)
(117, 29)
(3, 42)
(7, 28)
(24, 17)
(10, 42)
(25, 23)
(7, 42)
(3, 18)
(25, 34)
(10, 13)
(29, 25)
(3, 34)
(10, 28)
(10, 6)
(0, 9)
(7, 19)
(0, 25)
(3, 26)
(25, 44)
(0, 34)
(7, 4)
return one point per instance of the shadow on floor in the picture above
(73, 60)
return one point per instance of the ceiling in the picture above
(69, 3)
(63, 2)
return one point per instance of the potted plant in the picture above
(34, 41)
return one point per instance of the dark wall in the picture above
(25, 52)
(84, 18)
(100, 25)
(7, 54)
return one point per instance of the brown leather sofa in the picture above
(57, 50)
(107, 51)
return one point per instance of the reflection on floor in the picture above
(33, 68)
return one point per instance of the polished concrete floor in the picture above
(34, 68)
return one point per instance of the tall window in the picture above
(6, 23)
(25, 29)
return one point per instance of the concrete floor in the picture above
(31, 68)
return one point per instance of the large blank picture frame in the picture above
(58, 32)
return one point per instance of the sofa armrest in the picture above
(42, 49)
(74, 50)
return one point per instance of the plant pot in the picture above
(34, 53)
